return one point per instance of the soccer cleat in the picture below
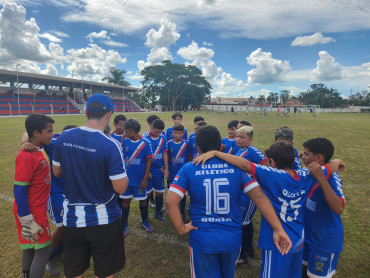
(159, 216)
(52, 268)
(242, 260)
(125, 228)
(147, 227)
(152, 204)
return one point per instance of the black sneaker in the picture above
(52, 268)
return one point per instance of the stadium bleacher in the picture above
(127, 105)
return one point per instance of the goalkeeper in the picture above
(31, 192)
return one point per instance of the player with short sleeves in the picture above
(137, 154)
(287, 190)
(118, 123)
(286, 134)
(323, 224)
(228, 143)
(215, 227)
(177, 120)
(193, 146)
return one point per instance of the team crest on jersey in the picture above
(319, 266)
(175, 179)
(126, 148)
(44, 164)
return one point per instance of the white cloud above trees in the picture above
(327, 69)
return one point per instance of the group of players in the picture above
(221, 227)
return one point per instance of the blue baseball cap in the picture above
(107, 104)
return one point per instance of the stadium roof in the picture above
(49, 80)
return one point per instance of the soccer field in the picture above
(164, 253)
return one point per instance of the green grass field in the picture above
(165, 253)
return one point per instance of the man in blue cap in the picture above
(93, 169)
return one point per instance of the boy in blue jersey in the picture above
(137, 154)
(92, 166)
(177, 120)
(193, 146)
(159, 165)
(322, 221)
(118, 123)
(178, 155)
(286, 134)
(215, 227)
(288, 190)
(228, 143)
(196, 120)
(244, 137)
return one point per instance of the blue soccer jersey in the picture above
(89, 160)
(230, 145)
(288, 196)
(177, 157)
(146, 133)
(169, 134)
(214, 191)
(297, 164)
(117, 137)
(135, 154)
(323, 228)
(159, 147)
(193, 152)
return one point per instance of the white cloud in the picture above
(316, 38)
(160, 41)
(268, 70)
(326, 69)
(103, 34)
(50, 37)
(250, 19)
(114, 43)
(59, 34)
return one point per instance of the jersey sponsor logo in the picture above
(133, 161)
(293, 195)
(216, 219)
(70, 145)
(311, 205)
(175, 179)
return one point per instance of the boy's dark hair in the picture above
(245, 123)
(233, 123)
(201, 123)
(151, 119)
(208, 139)
(119, 118)
(158, 124)
(282, 153)
(178, 128)
(321, 146)
(69, 127)
(284, 133)
(37, 122)
(176, 114)
(96, 115)
(198, 119)
(132, 124)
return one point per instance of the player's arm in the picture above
(144, 181)
(57, 170)
(281, 239)
(238, 161)
(333, 200)
(165, 162)
(26, 145)
(172, 203)
(336, 165)
(120, 185)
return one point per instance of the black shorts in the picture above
(104, 243)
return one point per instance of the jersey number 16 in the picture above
(220, 200)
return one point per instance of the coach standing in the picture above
(93, 169)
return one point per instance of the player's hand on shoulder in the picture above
(315, 169)
(29, 147)
(204, 157)
(341, 165)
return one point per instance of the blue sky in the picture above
(244, 48)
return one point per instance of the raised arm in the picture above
(336, 165)
(238, 161)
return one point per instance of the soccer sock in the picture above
(249, 236)
(151, 198)
(243, 250)
(125, 212)
(25, 274)
(144, 212)
(158, 203)
(182, 205)
(39, 262)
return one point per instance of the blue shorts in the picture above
(275, 265)
(55, 208)
(156, 183)
(247, 210)
(135, 192)
(319, 264)
(212, 264)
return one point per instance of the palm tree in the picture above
(117, 77)
(284, 96)
(261, 99)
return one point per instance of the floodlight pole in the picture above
(19, 109)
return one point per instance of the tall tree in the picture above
(117, 77)
(261, 99)
(284, 96)
(175, 85)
